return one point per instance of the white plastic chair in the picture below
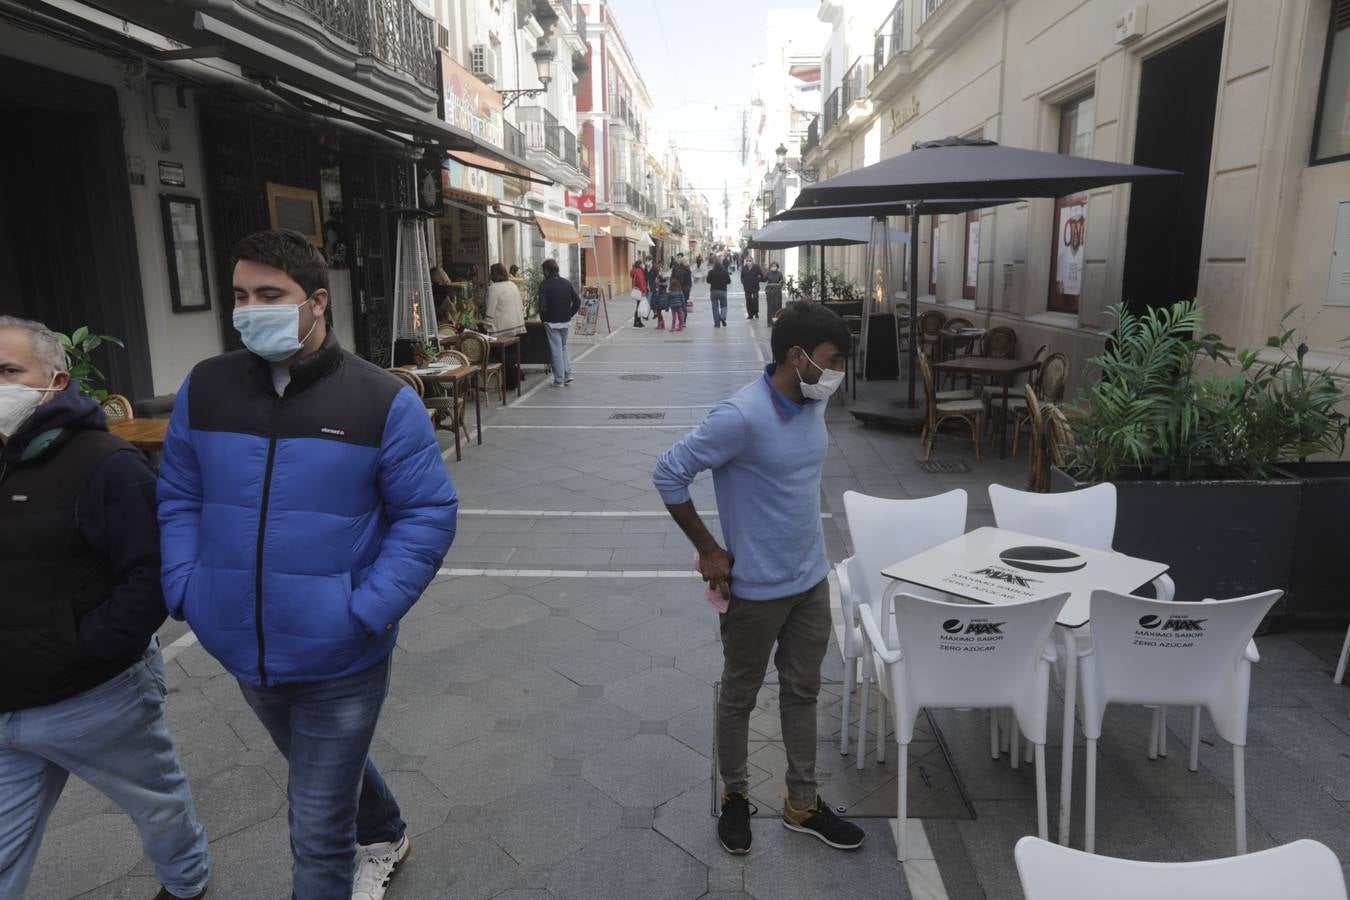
(884, 532)
(940, 655)
(1051, 872)
(1087, 518)
(1190, 654)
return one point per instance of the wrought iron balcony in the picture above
(812, 139)
(568, 140)
(514, 139)
(890, 38)
(621, 193)
(395, 33)
(930, 7)
(830, 114)
(541, 130)
(854, 86)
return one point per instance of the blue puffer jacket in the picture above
(297, 531)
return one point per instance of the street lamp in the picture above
(543, 62)
(807, 173)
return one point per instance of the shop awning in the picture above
(643, 240)
(559, 231)
(377, 111)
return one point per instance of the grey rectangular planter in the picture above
(1220, 538)
(1317, 584)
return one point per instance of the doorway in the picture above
(67, 239)
(1178, 93)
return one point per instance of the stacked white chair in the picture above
(1304, 869)
(1191, 654)
(941, 655)
(1087, 518)
(883, 532)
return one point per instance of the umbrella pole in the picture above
(822, 273)
(913, 299)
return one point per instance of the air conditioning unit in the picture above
(483, 63)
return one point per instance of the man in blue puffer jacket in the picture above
(304, 507)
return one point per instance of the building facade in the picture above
(1245, 98)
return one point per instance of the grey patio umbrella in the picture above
(964, 168)
(827, 232)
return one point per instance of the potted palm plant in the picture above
(1196, 458)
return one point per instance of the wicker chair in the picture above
(475, 346)
(118, 407)
(1038, 456)
(1051, 380)
(970, 411)
(439, 404)
(999, 343)
(994, 392)
(930, 326)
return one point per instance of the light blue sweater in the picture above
(766, 473)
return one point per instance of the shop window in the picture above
(1070, 236)
(1332, 133)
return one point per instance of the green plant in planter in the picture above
(533, 276)
(1149, 415)
(80, 346)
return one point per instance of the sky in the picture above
(695, 58)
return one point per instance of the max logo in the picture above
(337, 432)
(1003, 575)
(956, 626)
(1042, 559)
(1173, 623)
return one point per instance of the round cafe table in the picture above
(455, 376)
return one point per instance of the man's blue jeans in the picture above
(719, 306)
(557, 348)
(337, 798)
(112, 736)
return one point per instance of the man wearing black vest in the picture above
(82, 683)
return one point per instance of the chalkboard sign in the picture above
(295, 209)
(587, 321)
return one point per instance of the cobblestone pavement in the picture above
(548, 728)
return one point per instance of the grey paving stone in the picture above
(487, 769)
(590, 691)
(624, 540)
(646, 770)
(566, 593)
(197, 663)
(1304, 734)
(506, 726)
(568, 558)
(106, 846)
(423, 805)
(543, 638)
(653, 726)
(507, 611)
(438, 632)
(523, 691)
(235, 799)
(631, 863)
(254, 862)
(447, 864)
(667, 636)
(468, 555)
(578, 728)
(603, 662)
(545, 539)
(550, 821)
(784, 863)
(466, 591)
(431, 724)
(614, 613)
(658, 693)
(223, 693)
(703, 663)
(566, 767)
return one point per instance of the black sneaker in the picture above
(821, 822)
(733, 826)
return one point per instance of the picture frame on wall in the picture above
(295, 209)
(185, 251)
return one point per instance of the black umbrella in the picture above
(827, 232)
(944, 207)
(959, 168)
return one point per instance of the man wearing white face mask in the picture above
(305, 508)
(82, 684)
(766, 447)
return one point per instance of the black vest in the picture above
(49, 577)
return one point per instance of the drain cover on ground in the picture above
(637, 415)
(640, 377)
(935, 790)
(943, 466)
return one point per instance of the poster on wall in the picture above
(972, 253)
(1070, 239)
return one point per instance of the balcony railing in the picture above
(514, 139)
(930, 7)
(391, 31)
(541, 129)
(812, 139)
(569, 146)
(579, 16)
(890, 39)
(830, 114)
(621, 193)
(855, 81)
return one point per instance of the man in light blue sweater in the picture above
(765, 446)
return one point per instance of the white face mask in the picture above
(18, 402)
(824, 387)
(271, 331)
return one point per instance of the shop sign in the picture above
(903, 114)
(469, 104)
(583, 202)
(455, 176)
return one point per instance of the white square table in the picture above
(995, 566)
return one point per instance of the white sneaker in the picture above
(375, 866)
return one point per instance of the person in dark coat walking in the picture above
(751, 276)
(680, 272)
(773, 291)
(558, 303)
(82, 684)
(718, 281)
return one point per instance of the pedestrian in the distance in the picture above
(304, 508)
(638, 276)
(504, 310)
(82, 683)
(751, 276)
(660, 300)
(766, 448)
(773, 291)
(679, 271)
(718, 281)
(558, 303)
(677, 302)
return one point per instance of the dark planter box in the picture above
(1317, 588)
(1220, 538)
(534, 345)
